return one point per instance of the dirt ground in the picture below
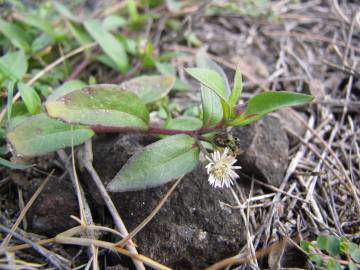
(301, 173)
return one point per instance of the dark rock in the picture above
(265, 150)
(192, 230)
(291, 122)
(189, 227)
(50, 213)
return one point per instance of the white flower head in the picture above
(221, 170)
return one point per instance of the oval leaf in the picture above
(210, 79)
(270, 101)
(150, 88)
(66, 88)
(204, 61)
(40, 134)
(15, 34)
(184, 123)
(64, 11)
(42, 24)
(211, 104)
(355, 255)
(100, 105)
(30, 97)
(157, 164)
(13, 65)
(237, 89)
(329, 243)
(264, 103)
(111, 46)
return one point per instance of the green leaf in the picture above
(64, 11)
(41, 42)
(42, 24)
(237, 89)
(30, 97)
(80, 34)
(333, 265)
(168, 69)
(264, 103)
(174, 6)
(132, 9)
(353, 267)
(212, 108)
(270, 101)
(15, 34)
(40, 134)
(204, 61)
(165, 68)
(213, 112)
(184, 123)
(106, 60)
(352, 246)
(10, 93)
(355, 255)
(157, 164)
(329, 243)
(113, 22)
(111, 46)
(12, 165)
(305, 245)
(13, 65)
(66, 88)
(181, 85)
(317, 259)
(150, 88)
(210, 79)
(100, 105)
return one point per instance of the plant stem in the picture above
(156, 130)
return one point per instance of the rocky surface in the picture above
(194, 222)
(50, 213)
(190, 226)
(265, 150)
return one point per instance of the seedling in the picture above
(73, 114)
(333, 253)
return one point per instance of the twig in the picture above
(47, 254)
(151, 216)
(86, 158)
(111, 246)
(84, 208)
(25, 210)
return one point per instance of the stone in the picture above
(291, 122)
(192, 230)
(50, 213)
(265, 150)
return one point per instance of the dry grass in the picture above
(312, 46)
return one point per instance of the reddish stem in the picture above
(155, 130)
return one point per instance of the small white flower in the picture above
(221, 170)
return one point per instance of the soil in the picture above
(305, 46)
